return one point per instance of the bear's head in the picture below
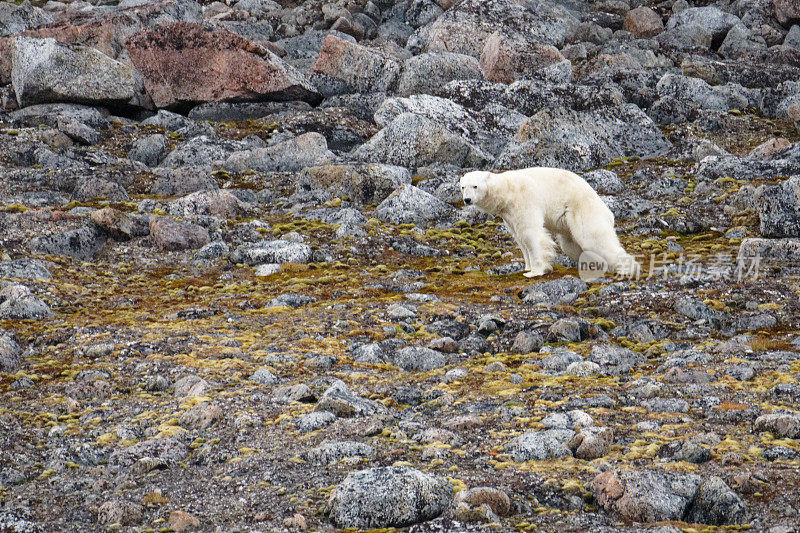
(475, 187)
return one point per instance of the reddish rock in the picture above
(769, 148)
(505, 59)
(361, 68)
(643, 22)
(184, 63)
(106, 32)
(117, 224)
(182, 521)
(171, 235)
(786, 10)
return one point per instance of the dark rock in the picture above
(91, 187)
(82, 243)
(24, 268)
(778, 208)
(411, 205)
(340, 401)
(17, 302)
(419, 358)
(615, 360)
(558, 291)
(527, 342)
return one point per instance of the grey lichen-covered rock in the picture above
(778, 208)
(182, 180)
(425, 73)
(393, 496)
(712, 18)
(93, 187)
(10, 352)
(333, 452)
(18, 18)
(411, 141)
(17, 302)
(357, 68)
(697, 310)
(306, 150)
(574, 419)
(782, 425)
(24, 268)
(646, 495)
(558, 291)
(419, 358)
(82, 243)
(579, 140)
(489, 127)
(45, 70)
(263, 376)
(340, 401)
(363, 184)
(149, 150)
(717, 504)
(615, 360)
(411, 205)
(540, 445)
(591, 442)
(216, 203)
(604, 182)
(466, 26)
(167, 452)
(757, 254)
(274, 251)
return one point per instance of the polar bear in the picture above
(537, 202)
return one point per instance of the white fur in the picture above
(537, 202)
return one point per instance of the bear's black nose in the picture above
(467, 201)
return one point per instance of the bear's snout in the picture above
(467, 201)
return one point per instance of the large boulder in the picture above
(465, 27)
(106, 31)
(579, 140)
(489, 127)
(274, 251)
(185, 64)
(217, 203)
(173, 235)
(389, 496)
(412, 141)
(411, 205)
(308, 149)
(643, 22)
(44, 70)
(81, 243)
(355, 67)
(711, 18)
(364, 184)
(426, 73)
(504, 59)
(18, 18)
(654, 496)
(778, 208)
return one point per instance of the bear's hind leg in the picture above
(568, 246)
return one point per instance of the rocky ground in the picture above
(239, 290)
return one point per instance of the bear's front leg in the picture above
(539, 249)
